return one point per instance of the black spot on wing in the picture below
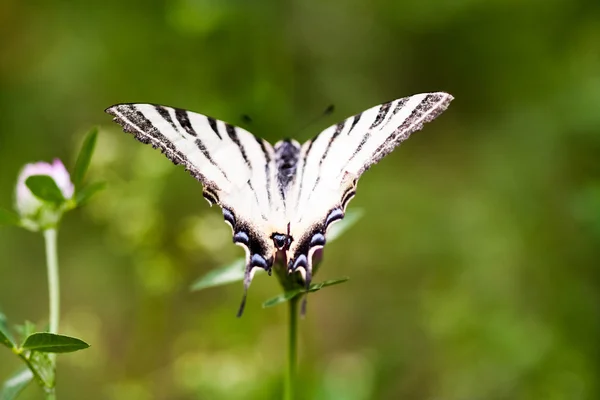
(163, 112)
(334, 215)
(338, 129)
(229, 217)
(210, 196)
(318, 239)
(400, 105)
(401, 132)
(256, 198)
(305, 159)
(184, 121)
(135, 122)
(267, 166)
(213, 125)
(204, 151)
(241, 237)
(232, 132)
(383, 111)
(354, 122)
(286, 160)
(348, 195)
(247, 237)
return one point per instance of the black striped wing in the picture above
(290, 191)
(329, 166)
(236, 168)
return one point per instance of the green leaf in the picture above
(84, 195)
(43, 368)
(351, 218)
(45, 188)
(9, 217)
(233, 272)
(51, 343)
(282, 298)
(286, 296)
(14, 385)
(5, 336)
(84, 157)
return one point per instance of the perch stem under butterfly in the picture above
(290, 376)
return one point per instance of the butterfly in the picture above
(279, 200)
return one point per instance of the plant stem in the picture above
(50, 394)
(54, 294)
(53, 283)
(290, 377)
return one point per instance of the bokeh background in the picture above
(474, 271)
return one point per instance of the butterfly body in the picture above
(279, 200)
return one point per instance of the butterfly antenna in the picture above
(327, 112)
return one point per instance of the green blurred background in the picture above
(473, 272)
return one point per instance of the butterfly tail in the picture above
(307, 280)
(248, 275)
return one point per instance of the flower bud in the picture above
(29, 206)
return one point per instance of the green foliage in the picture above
(351, 217)
(475, 275)
(43, 367)
(45, 188)
(5, 336)
(14, 385)
(290, 294)
(230, 273)
(34, 353)
(83, 159)
(51, 343)
(83, 195)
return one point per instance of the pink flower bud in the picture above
(25, 202)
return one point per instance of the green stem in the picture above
(54, 294)
(290, 377)
(53, 283)
(50, 394)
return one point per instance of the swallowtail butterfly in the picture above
(279, 200)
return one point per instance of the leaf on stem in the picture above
(85, 156)
(45, 188)
(51, 343)
(14, 385)
(5, 336)
(233, 272)
(290, 294)
(84, 195)
(352, 216)
(8, 217)
(43, 368)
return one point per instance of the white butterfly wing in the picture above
(297, 191)
(331, 163)
(235, 167)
